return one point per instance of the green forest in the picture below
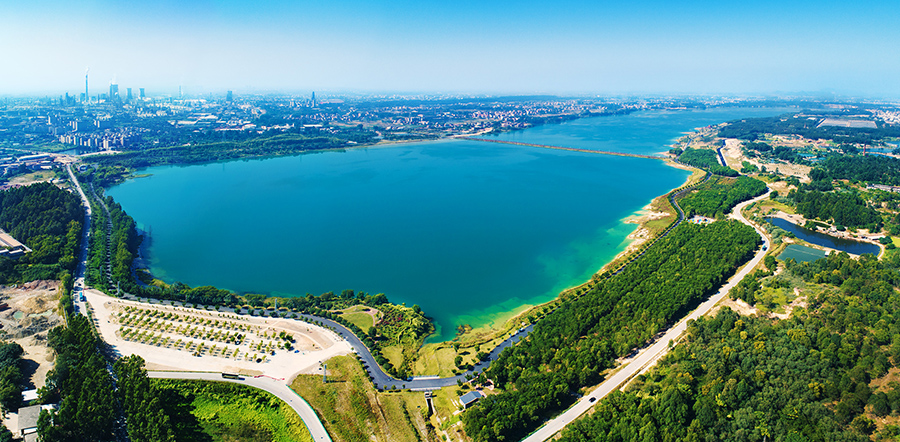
(874, 169)
(707, 160)
(571, 347)
(811, 377)
(719, 195)
(846, 209)
(48, 220)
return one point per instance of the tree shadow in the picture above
(177, 406)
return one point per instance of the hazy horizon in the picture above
(560, 48)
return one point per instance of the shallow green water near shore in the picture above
(466, 230)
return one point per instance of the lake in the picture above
(470, 231)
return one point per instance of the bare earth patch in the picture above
(31, 310)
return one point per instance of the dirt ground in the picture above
(735, 158)
(31, 310)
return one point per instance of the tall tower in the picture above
(86, 96)
(313, 99)
(229, 96)
(143, 95)
(128, 97)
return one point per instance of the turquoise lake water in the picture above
(469, 231)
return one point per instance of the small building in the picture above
(470, 398)
(28, 419)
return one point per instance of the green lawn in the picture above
(360, 316)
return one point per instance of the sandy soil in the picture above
(641, 234)
(313, 344)
(798, 302)
(35, 303)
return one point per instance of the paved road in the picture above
(276, 387)
(85, 242)
(648, 355)
(383, 380)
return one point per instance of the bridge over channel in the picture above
(573, 149)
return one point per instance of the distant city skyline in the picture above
(505, 47)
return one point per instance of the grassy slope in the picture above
(358, 317)
(353, 411)
(225, 416)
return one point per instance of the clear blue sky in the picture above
(560, 47)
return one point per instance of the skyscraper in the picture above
(313, 99)
(143, 95)
(86, 96)
(229, 97)
(128, 96)
(113, 92)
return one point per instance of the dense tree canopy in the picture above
(875, 169)
(141, 402)
(48, 220)
(718, 196)
(707, 160)
(846, 209)
(81, 382)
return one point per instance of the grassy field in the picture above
(360, 316)
(41, 175)
(352, 410)
(218, 411)
(769, 206)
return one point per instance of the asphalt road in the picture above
(276, 387)
(383, 380)
(648, 355)
(85, 240)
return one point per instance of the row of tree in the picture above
(571, 347)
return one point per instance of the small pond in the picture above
(801, 253)
(821, 239)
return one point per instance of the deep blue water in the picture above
(469, 231)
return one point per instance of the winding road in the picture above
(648, 355)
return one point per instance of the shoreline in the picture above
(641, 218)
